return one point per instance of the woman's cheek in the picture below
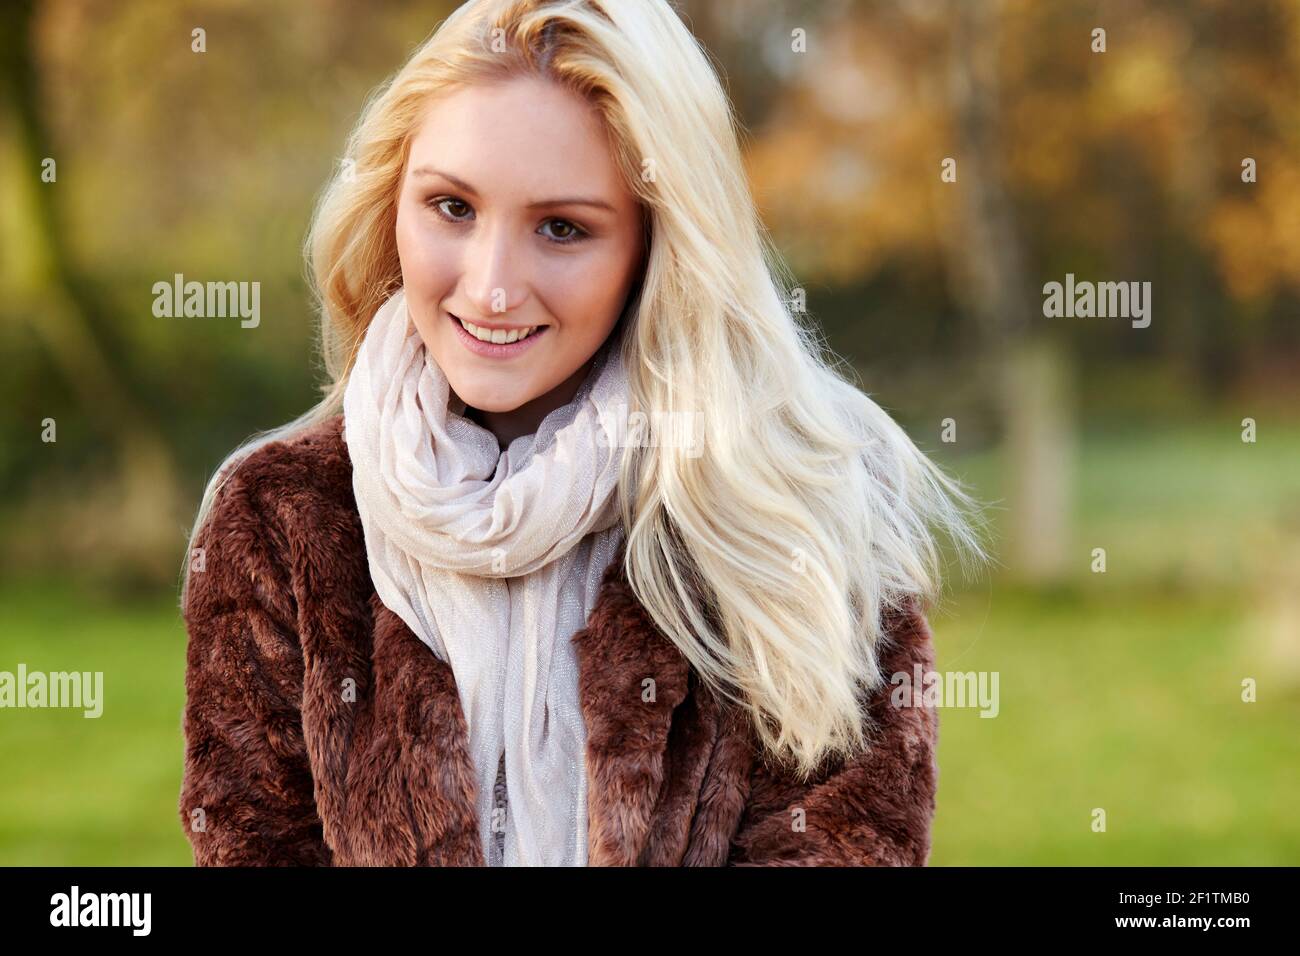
(416, 230)
(587, 289)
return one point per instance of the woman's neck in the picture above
(527, 418)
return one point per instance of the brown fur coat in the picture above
(321, 731)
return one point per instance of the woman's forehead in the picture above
(524, 142)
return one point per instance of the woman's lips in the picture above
(490, 349)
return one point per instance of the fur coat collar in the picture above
(320, 730)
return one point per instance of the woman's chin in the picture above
(495, 400)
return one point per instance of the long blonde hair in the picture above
(768, 553)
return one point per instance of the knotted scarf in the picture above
(493, 558)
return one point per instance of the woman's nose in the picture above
(493, 271)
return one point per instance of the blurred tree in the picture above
(1123, 165)
(137, 506)
(987, 253)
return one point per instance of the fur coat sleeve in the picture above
(247, 792)
(873, 810)
(278, 606)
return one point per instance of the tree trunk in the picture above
(987, 265)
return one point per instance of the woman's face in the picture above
(513, 216)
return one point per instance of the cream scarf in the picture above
(493, 558)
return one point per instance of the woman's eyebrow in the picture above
(465, 187)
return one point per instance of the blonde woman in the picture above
(588, 556)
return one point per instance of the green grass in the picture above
(1130, 704)
(1122, 691)
(93, 791)
(1119, 691)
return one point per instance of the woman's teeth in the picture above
(496, 336)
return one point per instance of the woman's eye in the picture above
(561, 231)
(564, 231)
(457, 211)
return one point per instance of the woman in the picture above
(587, 557)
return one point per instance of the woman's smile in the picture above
(496, 341)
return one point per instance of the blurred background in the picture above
(1120, 690)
